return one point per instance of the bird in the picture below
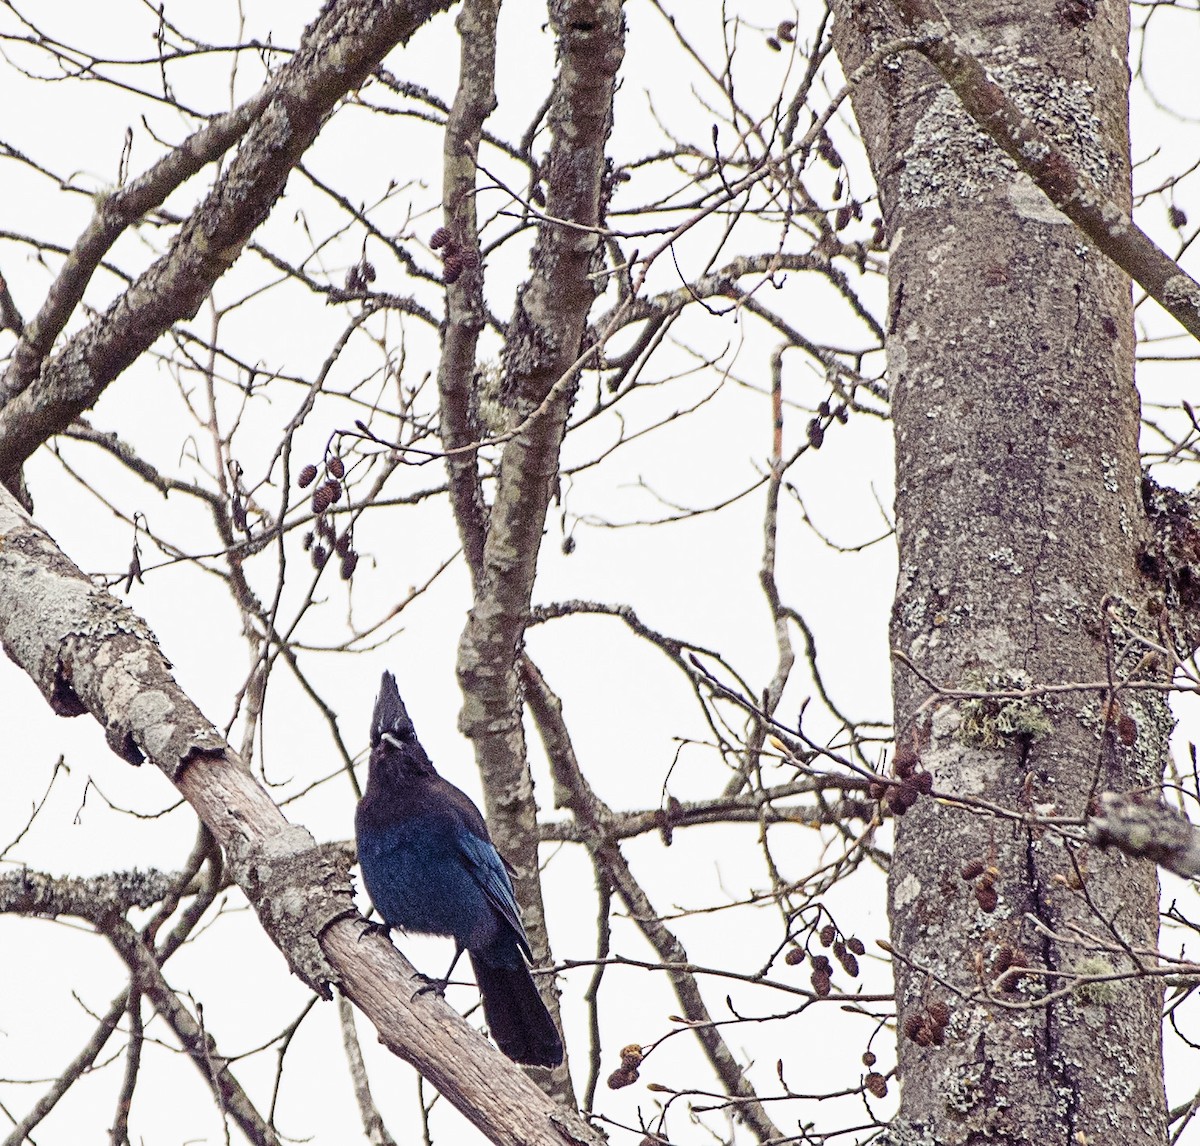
(430, 868)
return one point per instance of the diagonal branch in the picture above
(373, 1125)
(37, 892)
(593, 817)
(148, 979)
(1107, 224)
(113, 214)
(1145, 827)
(88, 653)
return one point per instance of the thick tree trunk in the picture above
(1020, 522)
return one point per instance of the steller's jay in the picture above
(431, 867)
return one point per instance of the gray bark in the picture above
(1141, 826)
(541, 352)
(1020, 523)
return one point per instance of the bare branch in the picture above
(339, 51)
(1143, 826)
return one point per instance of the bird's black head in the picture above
(394, 743)
(390, 717)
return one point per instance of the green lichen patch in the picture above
(1095, 994)
(993, 721)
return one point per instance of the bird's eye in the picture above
(396, 741)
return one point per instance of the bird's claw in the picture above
(431, 986)
(374, 927)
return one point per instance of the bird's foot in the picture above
(431, 986)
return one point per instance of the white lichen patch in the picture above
(951, 158)
(1060, 605)
(907, 891)
(1110, 473)
(1030, 202)
(1006, 559)
(963, 1087)
(1179, 290)
(974, 771)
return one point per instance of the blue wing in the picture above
(487, 868)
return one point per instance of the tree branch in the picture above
(1145, 827)
(113, 215)
(473, 102)
(593, 817)
(544, 343)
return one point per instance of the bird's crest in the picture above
(390, 717)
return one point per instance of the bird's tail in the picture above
(516, 1016)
